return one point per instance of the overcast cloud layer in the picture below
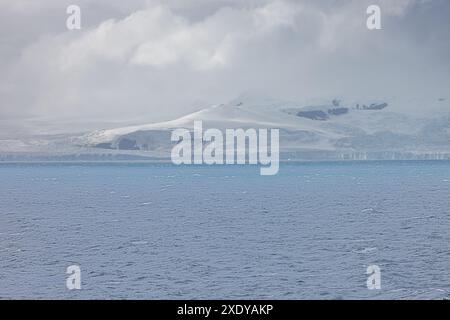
(140, 61)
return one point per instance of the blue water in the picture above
(157, 231)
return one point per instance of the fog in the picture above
(142, 61)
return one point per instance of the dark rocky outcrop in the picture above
(313, 115)
(106, 145)
(127, 144)
(338, 111)
(373, 106)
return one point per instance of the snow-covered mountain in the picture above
(320, 131)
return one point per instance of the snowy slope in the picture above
(219, 116)
(343, 131)
(327, 129)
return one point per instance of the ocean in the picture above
(160, 231)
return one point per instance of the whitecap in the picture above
(367, 250)
(368, 210)
(139, 243)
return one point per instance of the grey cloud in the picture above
(142, 61)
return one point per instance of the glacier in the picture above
(324, 130)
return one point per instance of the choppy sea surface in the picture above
(158, 231)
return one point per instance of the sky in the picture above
(140, 61)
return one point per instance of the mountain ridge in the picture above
(328, 130)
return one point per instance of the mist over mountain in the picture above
(338, 129)
(142, 69)
(148, 61)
